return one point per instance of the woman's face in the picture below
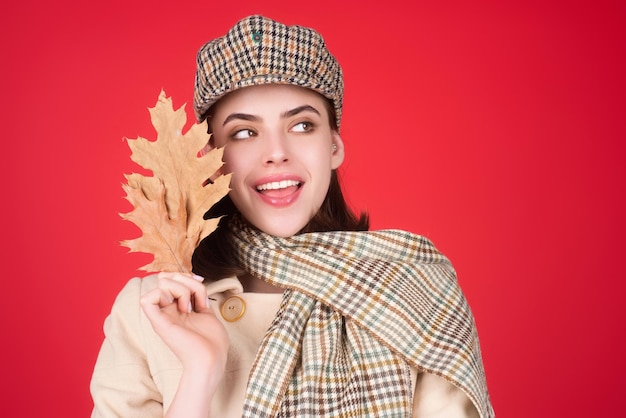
(279, 149)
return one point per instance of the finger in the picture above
(152, 303)
(198, 295)
(197, 278)
(157, 298)
(178, 291)
(189, 279)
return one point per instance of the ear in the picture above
(338, 151)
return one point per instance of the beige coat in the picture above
(136, 374)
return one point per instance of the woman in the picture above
(311, 314)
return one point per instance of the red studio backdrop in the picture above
(495, 128)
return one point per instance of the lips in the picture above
(279, 192)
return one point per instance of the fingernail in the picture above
(189, 308)
(198, 278)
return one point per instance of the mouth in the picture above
(282, 187)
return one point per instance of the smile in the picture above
(280, 193)
(278, 185)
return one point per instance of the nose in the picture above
(276, 150)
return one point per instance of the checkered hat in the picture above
(258, 50)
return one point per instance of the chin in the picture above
(282, 232)
(281, 227)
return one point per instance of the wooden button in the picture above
(233, 308)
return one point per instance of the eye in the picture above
(303, 127)
(243, 134)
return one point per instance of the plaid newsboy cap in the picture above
(258, 50)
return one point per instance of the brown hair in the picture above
(214, 260)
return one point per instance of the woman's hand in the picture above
(180, 314)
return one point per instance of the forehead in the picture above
(267, 98)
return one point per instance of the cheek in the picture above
(318, 158)
(319, 166)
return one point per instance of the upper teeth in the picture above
(278, 185)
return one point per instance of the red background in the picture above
(494, 128)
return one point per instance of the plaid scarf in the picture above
(359, 309)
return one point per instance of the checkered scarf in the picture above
(359, 309)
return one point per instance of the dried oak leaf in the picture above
(168, 207)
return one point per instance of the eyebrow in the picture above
(299, 109)
(286, 114)
(242, 116)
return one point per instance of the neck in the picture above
(253, 285)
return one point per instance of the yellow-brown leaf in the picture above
(168, 206)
